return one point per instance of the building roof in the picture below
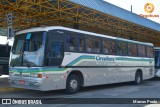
(118, 12)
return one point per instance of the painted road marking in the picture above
(6, 89)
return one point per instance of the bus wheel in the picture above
(138, 78)
(73, 84)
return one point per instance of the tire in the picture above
(138, 78)
(73, 84)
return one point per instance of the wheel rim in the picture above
(73, 84)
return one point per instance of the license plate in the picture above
(22, 82)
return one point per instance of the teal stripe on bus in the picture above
(83, 57)
(50, 69)
(133, 59)
(80, 58)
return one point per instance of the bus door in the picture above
(55, 48)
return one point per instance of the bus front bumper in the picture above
(52, 82)
(26, 82)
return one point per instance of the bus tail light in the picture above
(39, 75)
(33, 75)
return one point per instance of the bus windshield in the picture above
(28, 49)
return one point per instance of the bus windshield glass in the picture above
(28, 49)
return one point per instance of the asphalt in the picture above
(4, 85)
(148, 89)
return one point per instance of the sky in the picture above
(138, 7)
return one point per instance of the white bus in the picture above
(52, 58)
(157, 61)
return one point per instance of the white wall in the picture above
(3, 39)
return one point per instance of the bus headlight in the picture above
(36, 75)
(11, 74)
(33, 75)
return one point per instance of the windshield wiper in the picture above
(27, 63)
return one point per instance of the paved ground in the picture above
(148, 89)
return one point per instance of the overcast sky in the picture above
(138, 6)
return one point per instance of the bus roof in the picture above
(48, 28)
(157, 48)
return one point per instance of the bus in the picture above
(4, 56)
(56, 57)
(157, 61)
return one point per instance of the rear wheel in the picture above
(138, 78)
(73, 84)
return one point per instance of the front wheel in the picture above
(73, 84)
(138, 78)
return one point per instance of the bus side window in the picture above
(112, 47)
(70, 41)
(149, 51)
(90, 44)
(109, 47)
(132, 49)
(74, 42)
(141, 51)
(79, 43)
(97, 45)
(67, 41)
(121, 48)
